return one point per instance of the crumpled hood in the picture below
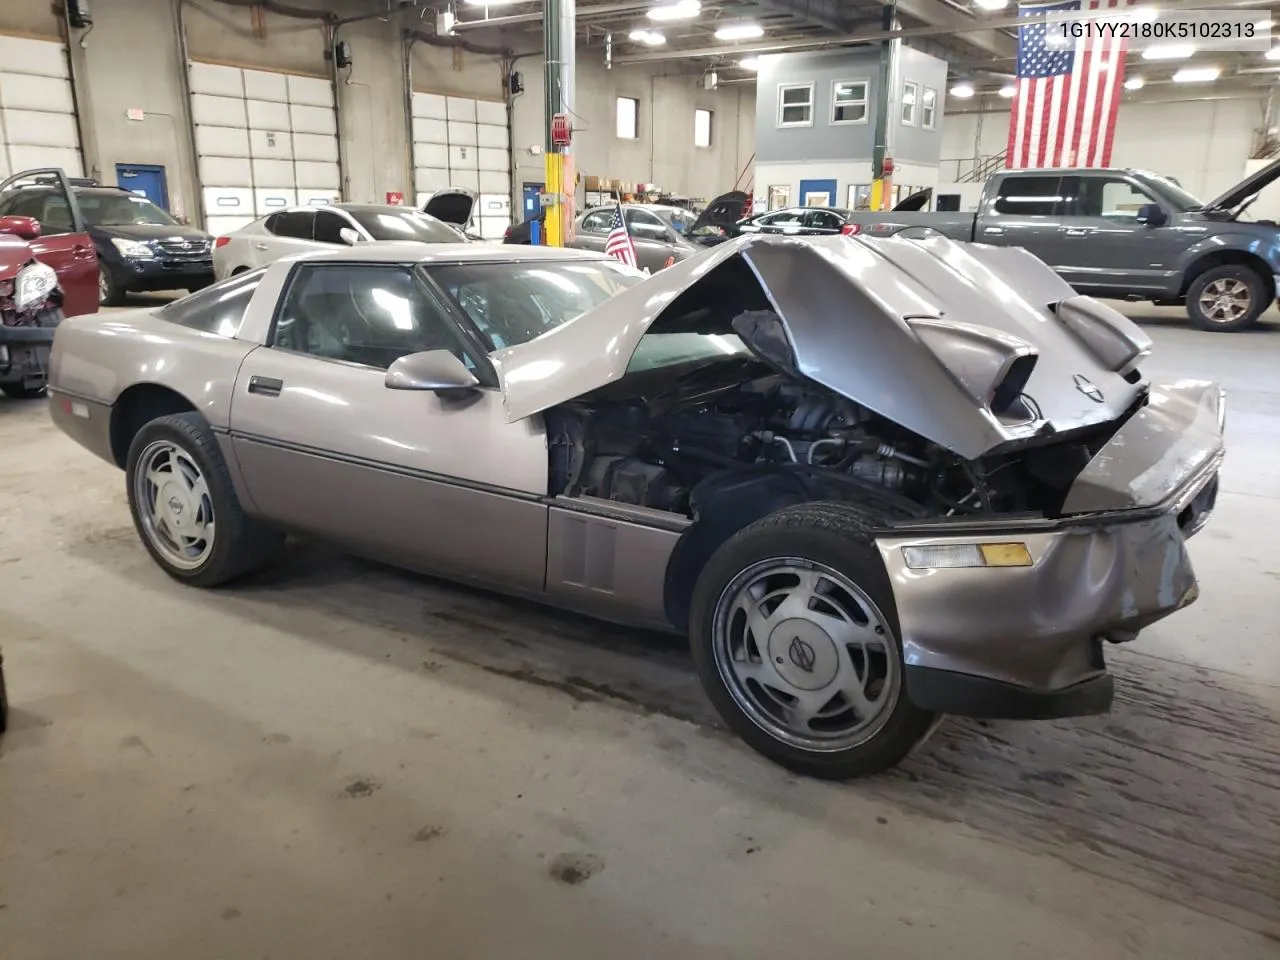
(14, 254)
(926, 332)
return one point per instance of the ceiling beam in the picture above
(939, 14)
(824, 13)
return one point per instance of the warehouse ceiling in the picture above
(976, 37)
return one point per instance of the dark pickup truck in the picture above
(1126, 235)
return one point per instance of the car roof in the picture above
(419, 252)
(349, 207)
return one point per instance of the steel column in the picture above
(558, 25)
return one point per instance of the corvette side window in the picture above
(370, 314)
(218, 309)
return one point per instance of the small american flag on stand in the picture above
(619, 244)
(1067, 96)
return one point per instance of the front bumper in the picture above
(1026, 641)
(24, 354)
(163, 273)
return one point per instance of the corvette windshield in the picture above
(513, 303)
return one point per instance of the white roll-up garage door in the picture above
(264, 141)
(461, 142)
(37, 108)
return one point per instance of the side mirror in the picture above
(436, 370)
(28, 228)
(349, 236)
(1153, 215)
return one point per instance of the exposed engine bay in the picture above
(670, 452)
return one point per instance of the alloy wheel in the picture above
(806, 654)
(174, 504)
(1225, 300)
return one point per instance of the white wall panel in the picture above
(427, 130)
(222, 141)
(37, 108)
(306, 119)
(462, 133)
(491, 112)
(218, 111)
(21, 91)
(317, 198)
(431, 179)
(429, 105)
(231, 171)
(317, 176)
(311, 146)
(462, 158)
(263, 140)
(461, 108)
(216, 79)
(493, 181)
(489, 158)
(41, 129)
(467, 179)
(263, 85)
(268, 114)
(490, 136)
(431, 154)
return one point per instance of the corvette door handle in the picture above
(267, 386)
(259, 246)
(1077, 232)
(994, 231)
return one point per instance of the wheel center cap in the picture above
(176, 506)
(803, 655)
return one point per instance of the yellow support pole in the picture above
(554, 225)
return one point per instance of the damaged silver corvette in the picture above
(874, 481)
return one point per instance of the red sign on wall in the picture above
(395, 198)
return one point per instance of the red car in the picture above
(41, 280)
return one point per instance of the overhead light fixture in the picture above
(650, 37)
(1171, 52)
(681, 10)
(749, 63)
(1144, 14)
(740, 31)
(1196, 75)
(1134, 83)
(1273, 53)
(1264, 24)
(493, 3)
(963, 90)
(1007, 91)
(992, 4)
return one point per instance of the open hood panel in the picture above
(724, 211)
(1255, 182)
(926, 333)
(454, 205)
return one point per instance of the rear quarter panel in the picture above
(98, 358)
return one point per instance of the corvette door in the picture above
(406, 476)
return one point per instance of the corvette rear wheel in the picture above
(185, 508)
(795, 638)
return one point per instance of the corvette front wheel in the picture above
(185, 508)
(795, 638)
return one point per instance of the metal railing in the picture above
(970, 169)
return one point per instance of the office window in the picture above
(702, 128)
(859, 196)
(849, 101)
(628, 118)
(929, 108)
(795, 105)
(779, 197)
(910, 94)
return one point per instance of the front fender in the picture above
(1246, 243)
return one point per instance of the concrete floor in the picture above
(339, 760)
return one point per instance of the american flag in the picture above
(619, 244)
(1066, 98)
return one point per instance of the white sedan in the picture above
(301, 229)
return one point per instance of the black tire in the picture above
(241, 544)
(836, 536)
(4, 700)
(110, 293)
(17, 391)
(237, 271)
(1229, 275)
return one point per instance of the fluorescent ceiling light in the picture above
(1196, 75)
(1144, 15)
(493, 3)
(1273, 53)
(740, 31)
(963, 90)
(749, 63)
(992, 4)
(1007, 91)
(1173, 52)
(681, 10)
(1134, 83)
(650, 37)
